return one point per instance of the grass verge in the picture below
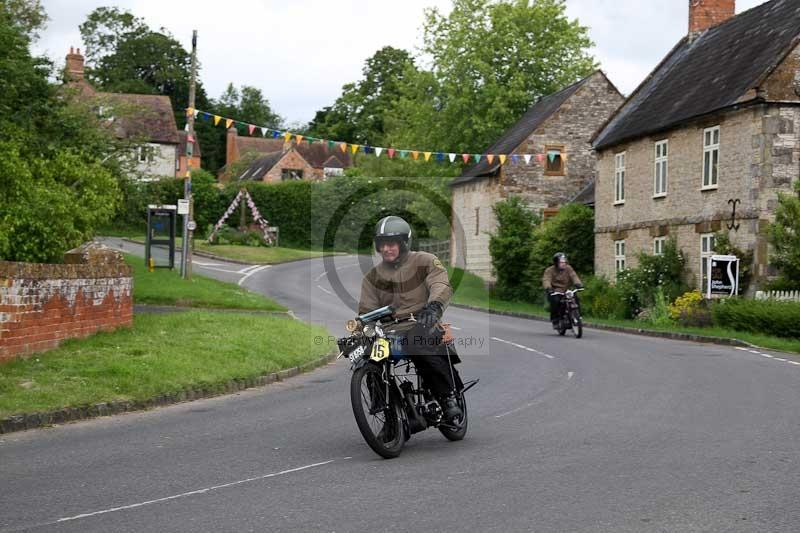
(264, 255)
(166, 287)
(472, 291)
(161, 354)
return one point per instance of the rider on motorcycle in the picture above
(559, 278)
(416, 285)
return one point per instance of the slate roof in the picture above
(516, 134)
(585, 196)
(316, 154)
(715, 70)
(147, 116)
(259, 168)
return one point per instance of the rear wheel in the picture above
(577, 323)
(377, 414)
(457, 429)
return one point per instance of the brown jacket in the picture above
(408, 284)
(560, 280)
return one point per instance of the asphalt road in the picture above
(611, 432)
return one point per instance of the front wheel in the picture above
(457, 429)
(378, 415)
(577, 323)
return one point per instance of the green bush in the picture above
(655, 272)
(601, 299)
(768, 317)
(784, 236)
(510, 248)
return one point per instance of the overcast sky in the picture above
(301, 52)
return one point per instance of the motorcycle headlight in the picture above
(369, 330)
(351, 325)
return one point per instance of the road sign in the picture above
(192, 225)
(183, 207)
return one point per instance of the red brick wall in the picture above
(43, 304)
(704, 14)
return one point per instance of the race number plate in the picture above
(380, 350)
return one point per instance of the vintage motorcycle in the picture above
(570, 314)
(390, 401)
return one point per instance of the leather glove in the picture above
(430, 314)
(549, 292)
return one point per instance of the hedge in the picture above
(768, 317)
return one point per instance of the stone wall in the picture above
(43, 304)
(759, 158)
(294, 161)
(473, 222)
(162, 163)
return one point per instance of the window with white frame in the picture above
(619, 178)
(145, 154)
(710, 157)
(707, 244)
(619, 256)
(658, 245)
(661, 168)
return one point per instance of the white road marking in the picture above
(780, 359)
(259, 269)
(523, 347)
(570, 374)
(245, 270)
(321, 276)
(196, 262)
(320, 287)
(193, 492)
(455, 328)
(768, 356)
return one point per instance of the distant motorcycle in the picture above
(570, 314)
(390, 402)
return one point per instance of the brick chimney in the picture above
(232, 150)
(705, 14)
(75, 65)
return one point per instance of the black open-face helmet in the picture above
(558, 257)
(394, 229)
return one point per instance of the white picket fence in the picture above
(787, 296)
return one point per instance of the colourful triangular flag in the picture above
(354, 148)
(264, 132)
(427, 156)
(228, 122)
(439, 156)
(514, 159)
(287, 136)
(502, 159)
(490, 158)
(551, 156)
(343, 146)
(540, 157)
(189, 111)
(477, 157)
(331, 144)
(276, 134)
(250, 128)
(465, 157)
(299, 138)
(452, 157)
(390, 153)
(415, 155)
(378, 151)
(527, 158)
(217, 118)
(403, 154)
(563, 156)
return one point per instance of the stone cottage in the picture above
(558, 129)
(705, 143)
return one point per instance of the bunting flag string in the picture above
(549, 157)
(261, 221)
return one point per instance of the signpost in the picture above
(723, 277)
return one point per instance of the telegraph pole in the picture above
(188, 220)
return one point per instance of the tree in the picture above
(58, 166)
(28, 15)
(511, 246)
(490, 61)
(359, 114)
(784, 236)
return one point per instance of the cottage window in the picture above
(661, 169)
(710, 157)
(619, 178)
(707, 243)
(658, 245)
(619, 256)
(144, 154)
(288, 174)
(554, 161)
